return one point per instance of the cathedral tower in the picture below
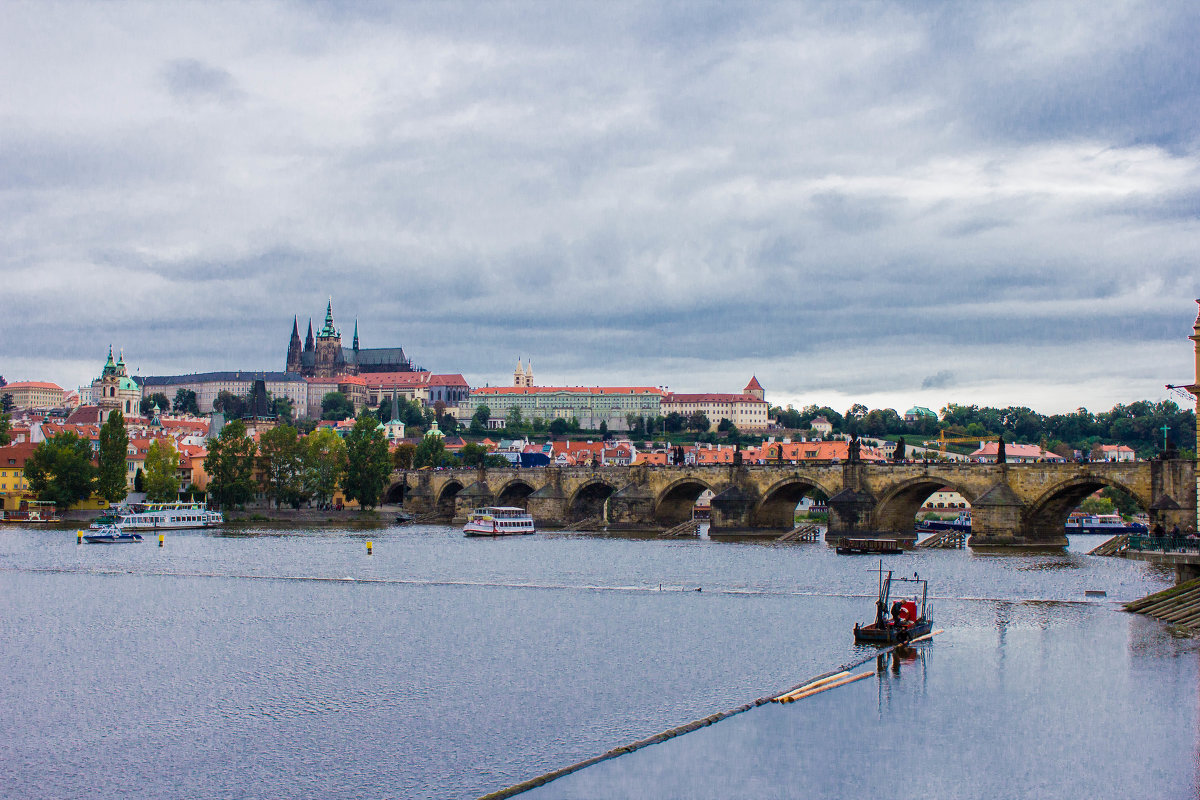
(329, 360)
(293, 354)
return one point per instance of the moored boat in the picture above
(902, 621)
(498, 521)
(111, 534)
(167, 517)
(33, 512)
(1108, 524)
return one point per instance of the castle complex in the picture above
(324, 356)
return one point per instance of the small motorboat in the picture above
(904, 620)
(111, 534)
(404, 516)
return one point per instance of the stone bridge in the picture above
(1012, 504)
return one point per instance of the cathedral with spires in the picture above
(323, 356)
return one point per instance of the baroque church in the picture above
(324, 356)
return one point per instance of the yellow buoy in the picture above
(368, 548)
(160, 540)
(78, 537)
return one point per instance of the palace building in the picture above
(323, 356)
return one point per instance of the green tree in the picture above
(7, 404)
(724, 425)
(230, 466)
(698, 422)
(479, 421)
(5, 427)
(60, 470)
(232, 406)
(474, 455)
(162, 462)
(324, 464)
(139, 481)
(636, 424)
(558, 426)
(513, 420)
(114, 447)
(284, 410)
(1097, 505)
(674, 422)
(431, 452)
(402, 456)
(368, 462)
(281, 465)
(336, 406)
(148, 403)
(185, 402)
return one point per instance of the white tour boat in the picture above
(168, 517)
(498, 521)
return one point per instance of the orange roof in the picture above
(17, 453)
(819, 451)
(33, 385)
(380, 379)
(753, 384)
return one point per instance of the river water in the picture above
(291, 664)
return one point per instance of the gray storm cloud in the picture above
(835, 198)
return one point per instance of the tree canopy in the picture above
(185, 402)
(114, 448)
(324, 464)
(281, 465)
(161, 482)
(368, 462)
(230, 465)
(60, 470)
(336, 406)
(148, 403)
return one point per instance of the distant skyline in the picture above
(889, 203)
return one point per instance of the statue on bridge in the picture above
(854, 454)
(1000, 454)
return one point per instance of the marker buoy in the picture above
(368, 548)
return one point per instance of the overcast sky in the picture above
(887, 203)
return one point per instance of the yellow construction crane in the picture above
(944, 440)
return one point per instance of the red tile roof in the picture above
(17, 453)
(33, 385)
(753, 384)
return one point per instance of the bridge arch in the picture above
(1047, 515)
(446, 496)
(588, 500)
(395, 494)
(514, 493)
(777, 509)
(674, 504)
(897, 510)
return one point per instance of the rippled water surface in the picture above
(292, 664)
